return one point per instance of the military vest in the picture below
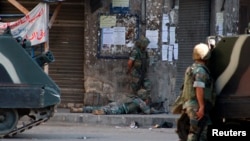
(188, 92)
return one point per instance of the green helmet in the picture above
(142, 93)
(142, 42)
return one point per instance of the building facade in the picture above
(91, 70)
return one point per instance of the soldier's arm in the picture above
(199, 84)
(130, 65)
(200, 99)
(131, 60)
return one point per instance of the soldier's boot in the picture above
(98, 112)
(76, 110)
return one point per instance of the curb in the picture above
(115, 120)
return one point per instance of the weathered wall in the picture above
(107, 77)
(230, 12)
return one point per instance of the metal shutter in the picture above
(194, 22)
(67, 45)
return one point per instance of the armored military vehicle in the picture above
(25, 89)
(230, 67)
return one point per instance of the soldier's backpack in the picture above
(178, 104)
(187, 90)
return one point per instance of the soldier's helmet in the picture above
(142, 42)
(201, 52)
(142, 93)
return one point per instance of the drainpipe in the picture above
(143, 11)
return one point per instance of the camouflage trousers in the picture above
(111, 108)
(137, 84)
(197, 128)
(135, 106)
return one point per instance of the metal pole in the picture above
(143, 11)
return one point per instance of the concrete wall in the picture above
(107, 77)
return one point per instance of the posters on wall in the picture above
(115, 36)
(165, 23)
(33, 26)
(120, 6)
(117, 33)
(219, 23)
(119, 36)
(107, 36)
(107, 21)
(164, 53)
(120, 3)
(173, 42)
(172, 36)
(176, 49)
(152, 35)
(169, 52)
(169, 44)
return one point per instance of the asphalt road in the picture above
(59, 131)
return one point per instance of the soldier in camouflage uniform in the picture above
(198, 97)
(138, 64)
(130, 105)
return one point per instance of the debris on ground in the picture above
(134, 124)
(164, 125)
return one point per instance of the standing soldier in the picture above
(197, 97)
(138, 64)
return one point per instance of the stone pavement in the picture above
(64, 115)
